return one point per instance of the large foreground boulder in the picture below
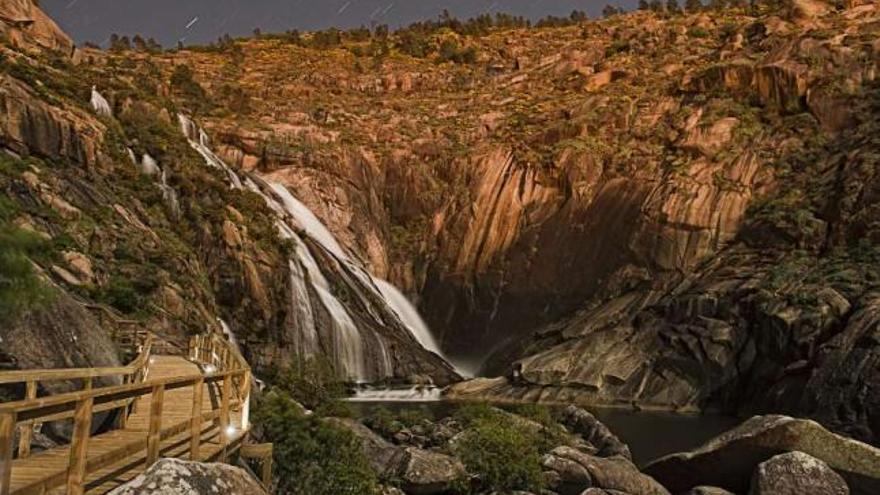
(796, 473)
(729, 460)
(176, 477)
(578, 471)
(424, 472)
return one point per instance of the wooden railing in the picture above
(135, 372)
(223, 369)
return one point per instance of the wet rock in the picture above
(796, 473)
(595, 432)
(729, 460)
(177, 477)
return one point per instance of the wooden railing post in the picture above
(26, 430)
(82, 429)
(195, 426)
(154, 437)
(7, 432)
(224, 416)
(267, 470)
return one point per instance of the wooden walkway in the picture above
(193, 407)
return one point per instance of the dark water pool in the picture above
(649, 434)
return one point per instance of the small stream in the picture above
(649, 434)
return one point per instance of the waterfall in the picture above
(295, 222)
(227, 332)
(347, 343)
(149, 166)
(409, 315)
(169, 195)
(100, 104)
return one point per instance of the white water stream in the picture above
(100, 104)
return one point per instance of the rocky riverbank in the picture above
(572, 453)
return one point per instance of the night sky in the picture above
(201, 21)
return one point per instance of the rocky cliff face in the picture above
(138, 223)
(25, 25)
(669, 211)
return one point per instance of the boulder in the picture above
(566, 477)
(708, 490)
(424, 472)
(795, 473)
(613, 473)
(729, 460)
(177, 477)
(384, 457)
(24, 24)
(595, 432)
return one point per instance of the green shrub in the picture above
(698, 32)
(469, 414)
(450, 51)
(20, 287)
(121, 294)
(503, 455)
(310, 455)
(535, 412)
(312, 382)
(184, 84)
(383, 421)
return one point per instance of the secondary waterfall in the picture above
(100, 104)
(409, 315)
(320, 314)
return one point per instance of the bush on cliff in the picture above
(20, 287)
(310, 455)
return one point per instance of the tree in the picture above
(139, 43)
(610, 10)
(579, 16)
(672, 7)
(656, 6)
(643, 5)
(119, 43)
(693, 6)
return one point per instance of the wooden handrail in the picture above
(27, 376)
(222, 364)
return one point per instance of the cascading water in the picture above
(296, 222)
(100, 104)
(409, 315)
(148, 165)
